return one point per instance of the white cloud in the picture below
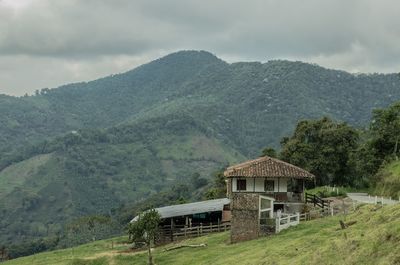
(47, 43)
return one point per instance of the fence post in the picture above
(331, 211)
(184, 230)
(198, 231)
(201, 228)
(277, 224)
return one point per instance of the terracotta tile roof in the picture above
(267, 167)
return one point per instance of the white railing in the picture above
(284, 221)
(366, 198)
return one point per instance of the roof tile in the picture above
(267, 167)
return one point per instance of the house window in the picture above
(241, 184)
(269, 185)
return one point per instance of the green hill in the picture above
(250, 104)
(372, 240)
(388, 180)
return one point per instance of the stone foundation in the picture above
(245, 219)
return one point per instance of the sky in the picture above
(48, 43)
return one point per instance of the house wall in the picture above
(257, 184)
(245, 216)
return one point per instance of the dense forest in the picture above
(80, 157)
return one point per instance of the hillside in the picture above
(250, 104)
(388, 180)
(372, 240)
(94, 147)
(96, 172)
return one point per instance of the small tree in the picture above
(269, 151)
(145, 229)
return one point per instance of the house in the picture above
(259, 188)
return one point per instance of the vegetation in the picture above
(388, 180)
(218, 188)
(145, 229)
(327, 191)
(372, 240)
(341, 155)
(324, 148)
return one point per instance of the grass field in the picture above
(374, 239)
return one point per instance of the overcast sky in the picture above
(47, 43)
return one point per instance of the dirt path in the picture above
(112, 254)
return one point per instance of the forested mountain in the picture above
(251, 104)
(87, 148)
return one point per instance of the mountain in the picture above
(239, 101)
(88, 148)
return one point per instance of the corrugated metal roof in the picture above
(191, 208)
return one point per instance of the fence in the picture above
(317, 201)
(366, 198)
(285, 221)
(179, 232)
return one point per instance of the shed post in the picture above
(172, 229)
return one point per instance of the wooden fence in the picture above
(180, 232)
(317, 201)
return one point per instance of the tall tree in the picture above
(324, 148)
(385, 131)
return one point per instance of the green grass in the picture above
(325, 191)
(374, 239)
(389, 181)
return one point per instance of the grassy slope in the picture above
(389, 183)
(16, 174)
(374, 239)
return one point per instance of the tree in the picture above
(381, 143)
(385, 131)
(269, 151)
(218, 190)
(324, 148)
(198, 181)
(145, 229)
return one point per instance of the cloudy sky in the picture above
(47, 43)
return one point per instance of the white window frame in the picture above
(270, 209)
